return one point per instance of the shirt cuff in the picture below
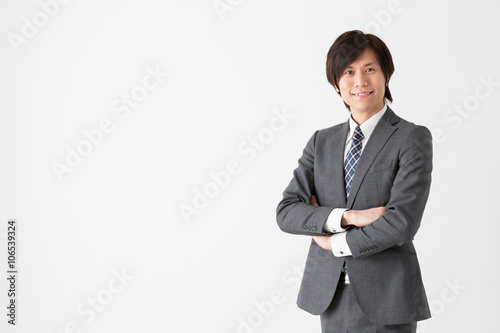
(334, 220)
(340, 248)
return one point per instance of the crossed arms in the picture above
(377, 228)
(358, 218)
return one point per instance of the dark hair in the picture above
(347, 47)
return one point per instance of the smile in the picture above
(363, 94)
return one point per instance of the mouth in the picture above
(363, 94)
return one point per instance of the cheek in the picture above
(380, 82)
(344, 93)
(344, 89)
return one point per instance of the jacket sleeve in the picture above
(408, 197)
(294, 213)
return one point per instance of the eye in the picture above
(349, 72)
(370, 69)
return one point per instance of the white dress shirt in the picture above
(333, 222)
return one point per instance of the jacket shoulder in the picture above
(326, 133)
(408, 127)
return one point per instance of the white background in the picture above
(229, 72)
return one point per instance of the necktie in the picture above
(352, 158)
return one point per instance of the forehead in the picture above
(367, 57)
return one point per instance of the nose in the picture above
(360, 79)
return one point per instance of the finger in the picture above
(314, 201)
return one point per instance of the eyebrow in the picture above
(365, 65)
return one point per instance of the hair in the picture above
(347, 47)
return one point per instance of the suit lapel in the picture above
(337, 162)
(378, 139)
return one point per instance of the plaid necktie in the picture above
(352, 158)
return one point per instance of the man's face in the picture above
(362, 85)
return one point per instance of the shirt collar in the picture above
(368, 126)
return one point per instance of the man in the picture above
(360, 191)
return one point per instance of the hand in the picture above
(358, 218)
(324, 242)
(314, 201)
(361, 218)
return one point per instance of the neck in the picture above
(361, 116)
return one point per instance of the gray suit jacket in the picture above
(394, 171)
